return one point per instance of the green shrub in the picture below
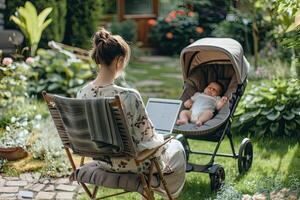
(270, 109)
(13, 83)
(236, 27)
(127, 29)
(56, 29)
(210, 12)
(172, 33)
(59, 73)
(82, 21)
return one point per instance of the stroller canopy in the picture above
(215, 49)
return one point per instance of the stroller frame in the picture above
(212, 50)
(216, 171)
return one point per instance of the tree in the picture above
(82, 21)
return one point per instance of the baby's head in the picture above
(213, 89)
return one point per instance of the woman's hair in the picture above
(106, 47)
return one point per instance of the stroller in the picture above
(204, 61)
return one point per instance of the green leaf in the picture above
(262, 121)
(43, 15)
(247, 116)
(260, 132)
(296, 111)
(296, 23)
(266, 112)
(274, 127)
(288, 116)
(273, 115)
(279, 107)
(53, 86)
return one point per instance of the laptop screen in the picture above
(163, 113)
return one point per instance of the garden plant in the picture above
(268, 113)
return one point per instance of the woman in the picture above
(112, 53)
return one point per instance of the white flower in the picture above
(13, 119)
(7, 128)
(23, 78)
(38, 117)
(25, 123)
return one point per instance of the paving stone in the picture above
(16, 183)
(45, 195)
(36, 175)
(75, 183)
(65, 195)
(62, 181)
(46, 182)
(28, 186)
(37, 187)
(68, 188)
(9, 196)
(26, 177)
(26, 194)
(49, 188)
(11, 178)
(2, 182)
(9, 189)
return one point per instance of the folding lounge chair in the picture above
(79, 142)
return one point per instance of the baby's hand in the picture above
(188, 103)
(224, 99)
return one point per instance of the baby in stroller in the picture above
(203, 105)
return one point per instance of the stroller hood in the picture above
(215, 49)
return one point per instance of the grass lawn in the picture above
(276, 163)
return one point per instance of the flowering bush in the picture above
(13, 82)
(172, 33)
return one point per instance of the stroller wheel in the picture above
(217, 178)
(245, 156)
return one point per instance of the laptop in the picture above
(163, 114)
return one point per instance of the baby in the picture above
(203, 105)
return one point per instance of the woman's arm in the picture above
(140, 125)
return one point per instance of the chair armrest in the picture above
(143, 155)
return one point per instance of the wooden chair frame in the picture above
(139, 158)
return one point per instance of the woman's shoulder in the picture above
(84, 90)
(128, 91)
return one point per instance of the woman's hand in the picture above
(188, 103)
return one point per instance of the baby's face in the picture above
(213, 89)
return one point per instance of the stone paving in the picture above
(33, 186)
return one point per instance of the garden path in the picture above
(33, 186)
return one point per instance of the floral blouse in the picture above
(140, 126)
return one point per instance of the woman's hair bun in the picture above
(101, 35)
(106, 47)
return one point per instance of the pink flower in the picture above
(29, 60)
(168, 19)
(7, 61)
(191, 14)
